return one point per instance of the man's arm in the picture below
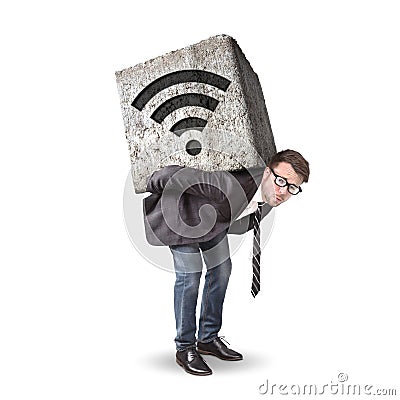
(215, 186)
(242, 225)
(246, 223)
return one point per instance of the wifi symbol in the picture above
(193, 147)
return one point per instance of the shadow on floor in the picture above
(165, 362)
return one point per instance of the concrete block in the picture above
(201, 106)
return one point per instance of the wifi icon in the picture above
(193, 147)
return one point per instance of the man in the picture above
(191, 210)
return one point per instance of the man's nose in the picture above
(282, 190)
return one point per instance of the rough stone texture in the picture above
(238, 132)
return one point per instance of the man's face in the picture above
(270, 191)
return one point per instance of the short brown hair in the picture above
(295, 159)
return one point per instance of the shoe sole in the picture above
(192, 372)
(204, 352)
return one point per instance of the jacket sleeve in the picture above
(242, 225)
(246, 223)
(157, 180)
(215, 185)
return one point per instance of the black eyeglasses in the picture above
(282, 182)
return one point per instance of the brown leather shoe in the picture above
(192, 362)
(218, 349)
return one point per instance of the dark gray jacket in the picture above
(189, 205)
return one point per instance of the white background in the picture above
(77, 318)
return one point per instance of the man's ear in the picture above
(266, 172)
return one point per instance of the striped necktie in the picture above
(255, 285)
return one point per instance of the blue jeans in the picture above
(188, 269)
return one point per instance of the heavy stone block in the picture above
(201, 107)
